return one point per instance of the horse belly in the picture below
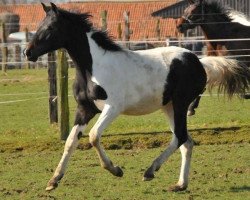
(143, 107)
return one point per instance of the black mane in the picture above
(100, 37)
(216, 9)
(104, 40)
(77, 18)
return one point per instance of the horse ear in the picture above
(54, 8)
(45, 8)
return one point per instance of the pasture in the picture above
(30, 149)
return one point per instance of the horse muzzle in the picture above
(29, 55)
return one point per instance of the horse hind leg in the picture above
(185, 142)
(177, 117)
(186, 153)
(155, 166)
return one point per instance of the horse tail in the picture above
(231, 76)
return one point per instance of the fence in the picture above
(11, 57)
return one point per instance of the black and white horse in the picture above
(113, 81)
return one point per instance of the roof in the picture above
(176, 10)
(173, 11)
(142, 23)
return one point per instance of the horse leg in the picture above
(178, 123)
(193, 106)
(149, 174)
(108, 114)
(81, 120)
(186, 153)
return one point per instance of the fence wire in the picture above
(43, 62)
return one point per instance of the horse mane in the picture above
(105, 41)
(77, 18)
(102, 38)
(216, 8)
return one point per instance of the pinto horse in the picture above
(111, 80)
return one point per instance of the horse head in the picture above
(193, 16)
(54, 32)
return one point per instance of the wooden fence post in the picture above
(119, 31)
(127, 31)
(52, 79)
(158, 30)
(27, 66)
(104, 14)
(18, 56)
(63, 94)
(4, 48)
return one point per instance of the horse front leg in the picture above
(81, 120)
(108, 114)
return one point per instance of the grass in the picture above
(218, 172)
(30, 149)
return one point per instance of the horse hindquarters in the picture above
(185, 81)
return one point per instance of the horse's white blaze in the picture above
(134, 79)
(239, 18)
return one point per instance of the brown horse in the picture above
(213, 48)
(229, 31)
(231, 28)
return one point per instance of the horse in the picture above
(219, 23)
(111, 81)
(213, 48)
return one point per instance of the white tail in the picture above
(231, 76)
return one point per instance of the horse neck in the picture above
(96, 51)
(79, 50)
(214, 31)
(215, 25)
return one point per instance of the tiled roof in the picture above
(142, 23)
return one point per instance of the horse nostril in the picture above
(27, 52)
(24, 52)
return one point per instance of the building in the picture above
(142, 24)
(176, 10)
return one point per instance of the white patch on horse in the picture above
(239, 18)
(130, 78)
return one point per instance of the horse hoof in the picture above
(191, 113)
(51, 186)
(148, 175)
(177, 188)
(119, 172)
(147, 178)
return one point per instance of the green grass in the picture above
(30, 149)
(217, 172)
(25, 124)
